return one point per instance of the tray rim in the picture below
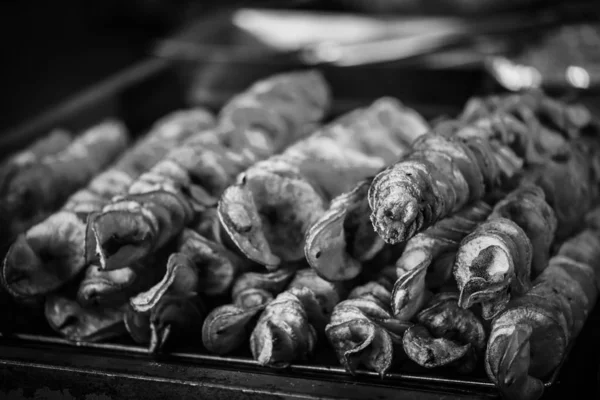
(392, 377)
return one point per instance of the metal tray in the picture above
(138, 96)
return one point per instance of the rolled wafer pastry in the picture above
(268, 212)
(290, 325)
(514, 129)
(487, 265)
(428, 258)
(363, 331)
(214, 266)
(570, 180)
(438, 177)
(262, 120)
(43, 186)
(530, 337)
(52, 252)
(445, 335)
(558, 117)
(500, 253)
(343, 238)
(15, 217)
(171, 315)
(228, 327)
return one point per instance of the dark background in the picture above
(53, 49)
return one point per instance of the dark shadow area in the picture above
(52, 50)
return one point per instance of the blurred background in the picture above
(55, 49)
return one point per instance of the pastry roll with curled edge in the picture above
(530, 337)
(52, 252)
(40, 187)
(429, 257)
(171, 312)
(270, 115)
(532, 108)
(269, 210)
(343, 238)
(499, 254)
(14, 217)
(215, 266)
(394, 198)
(290, 325)
(568, 181)
(446, 169)
(445, 335)
(228, 327)
(363, 331)
(564, 183)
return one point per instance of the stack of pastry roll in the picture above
(530, 337)
(445, 335)
(514, 244)
(228, 327)
(292, 324)
(96, 318)
(52, 252)
(462, 165)
(268, 212)
(350, 132)
(439, 177)
(269, 116)
(531, 108)
(495, 260)
(14, 216)
(176, 314)
(37, 182)
(201, 265)
(489, 141)
(264, 119)
(362, 329)
(427, 260)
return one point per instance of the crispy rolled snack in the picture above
(43, 186)
(257, 123)
(52, 252)
(428, 258)
(268, 212)
(214, 268)
(16, 218)
(533, 108)
(440, 176)
(535, 140)
(481, 270)
(289, 327)
(403, 205)
(175, 314)
(527, 207)
(445, 334)
(83, 324)
(363, 331)
(498, 254)
(492, 259)
(530, 338)
(228, 327)
(343, 238)
(568, 181)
